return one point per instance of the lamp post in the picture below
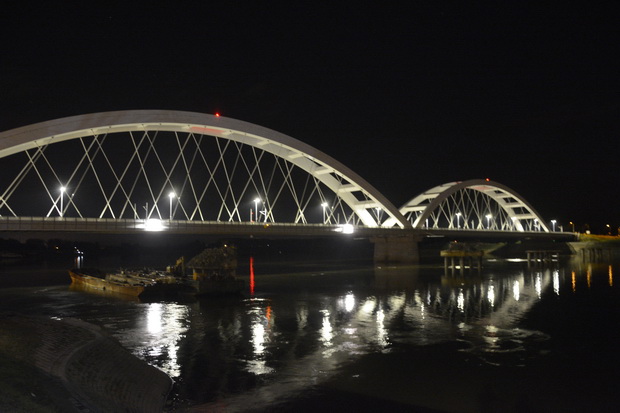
(62, 193)
(458, 225)
(553, 221)
(171, 195)
(324, 205)
(256, 201)
(572, 224)
(488, 217)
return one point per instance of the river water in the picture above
(354, 338)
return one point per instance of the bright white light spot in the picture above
(491, 295)
(327, 330)
(153, 318)
(165, 327)
(516, 290)
(464, 327)
(369, 306)
(349, 302)
(538, 284)
(460, 301)
(154, 225)
(259, 367)
(382, 334)
(396, 301)
(258, 337)
(418, 301)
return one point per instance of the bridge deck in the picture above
(124, 226)
(232, 228)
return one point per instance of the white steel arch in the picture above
(519, 214)
(363, 199)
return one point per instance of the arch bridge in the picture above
(191, 172)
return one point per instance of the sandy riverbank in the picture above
(51, 365)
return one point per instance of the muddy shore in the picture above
(67, 365)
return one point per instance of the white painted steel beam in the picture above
(499, 193)
(324, 168)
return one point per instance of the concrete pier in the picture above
(542, 256)
(397, 250)
(466, 259)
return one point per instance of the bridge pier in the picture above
(397, 249)
(469, 259)
(542, 256)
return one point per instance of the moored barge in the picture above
(135, 284)
(213, 274)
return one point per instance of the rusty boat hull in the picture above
(100, 283)
(153, 288)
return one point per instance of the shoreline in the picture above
(68, 365)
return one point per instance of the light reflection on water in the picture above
(274, 344)
(483, 315)
(261, 325)
(157, 334)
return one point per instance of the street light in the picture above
(553, 221)
(62, 192)
(256, 201)
(171, 195)
(324, 205)
(572, 225)
(458, 215)
(488, 217)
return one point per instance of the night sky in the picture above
(408, 97)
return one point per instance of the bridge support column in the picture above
(397, 250)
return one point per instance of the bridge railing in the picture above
(111, 225)
(232, 228)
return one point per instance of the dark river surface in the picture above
(358, 338)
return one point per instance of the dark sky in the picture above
(408, 97)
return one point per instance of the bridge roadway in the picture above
(127, 226)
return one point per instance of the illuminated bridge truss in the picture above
(472, 205)
(181, 166)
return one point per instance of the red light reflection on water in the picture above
(251, 275)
